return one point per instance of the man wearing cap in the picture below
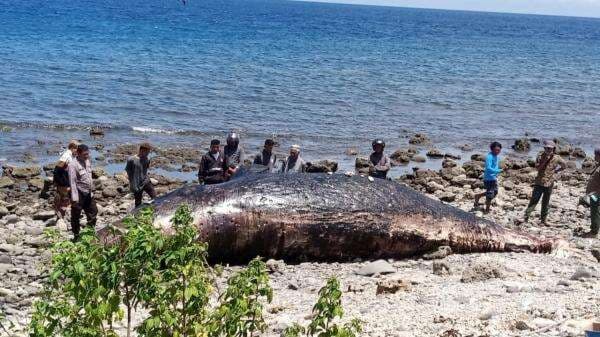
(547, 165)
(233, 155)
(593, 191)
(294, 163)
(380, 163)
(266, 157)
(137, 172)
(81, 184)
(212, 165)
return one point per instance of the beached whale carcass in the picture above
(331, 218)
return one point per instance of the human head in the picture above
(294, 151)
(233, 139)
(83, 152)
(73, 146)
(597, 154)
(269, 143)
(496, 148)
(378, 145)
(215, 146)
(145, 149)
(549, 146)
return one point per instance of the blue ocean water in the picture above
(327, 75)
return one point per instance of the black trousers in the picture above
(148, 188)
(86, 204)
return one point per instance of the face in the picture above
(496, 151)
(74, 151)
(214, 148)
(294, 153)
(269, 148)
(84, 155)
(144, 153)
(378, 148)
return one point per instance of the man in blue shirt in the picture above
(490, 176)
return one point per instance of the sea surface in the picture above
(326, 76)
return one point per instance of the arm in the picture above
(72, 183)
(201, 171)
(257, 159)
(490, 167)
(129, 169)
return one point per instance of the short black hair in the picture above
(269, 142)
(82, 148)
(495, 145)
(146, 146)
(215, 142)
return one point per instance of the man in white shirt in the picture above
(62, 199)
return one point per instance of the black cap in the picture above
(378, 142)
(215, 142)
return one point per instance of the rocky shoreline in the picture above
(456, 295)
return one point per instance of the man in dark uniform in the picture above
(266, 157)
(233, 155)
(212, 165)
(380, 162)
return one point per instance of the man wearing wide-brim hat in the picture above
(548, 164)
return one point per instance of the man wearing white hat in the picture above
(294, 163)
(547, 164)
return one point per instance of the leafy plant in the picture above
(92, 286)
(240, 310)
(325, 311)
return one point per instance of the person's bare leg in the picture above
(488, 204)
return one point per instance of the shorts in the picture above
(491, 189)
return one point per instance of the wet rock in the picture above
(418, 159)
(36, 184)
(473, 169)
(6, 182)
(450, 172)
(563, 148)
(25, 172)
(400, 157)
(522, 145)
(96, 131)
(419, 139)
(452, 156)
(362, 165)
(478, 157)
(447, 163)
(435, 153)
(377, 267)
(482, 271)
(98, 172)
(391, 286)
(322, 166)
(440, 253)
(578, 153)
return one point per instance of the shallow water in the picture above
(326, 76)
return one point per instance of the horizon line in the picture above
(341, 2)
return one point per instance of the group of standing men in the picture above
(218, 165)
(548, 164)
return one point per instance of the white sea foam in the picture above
(151, 130)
